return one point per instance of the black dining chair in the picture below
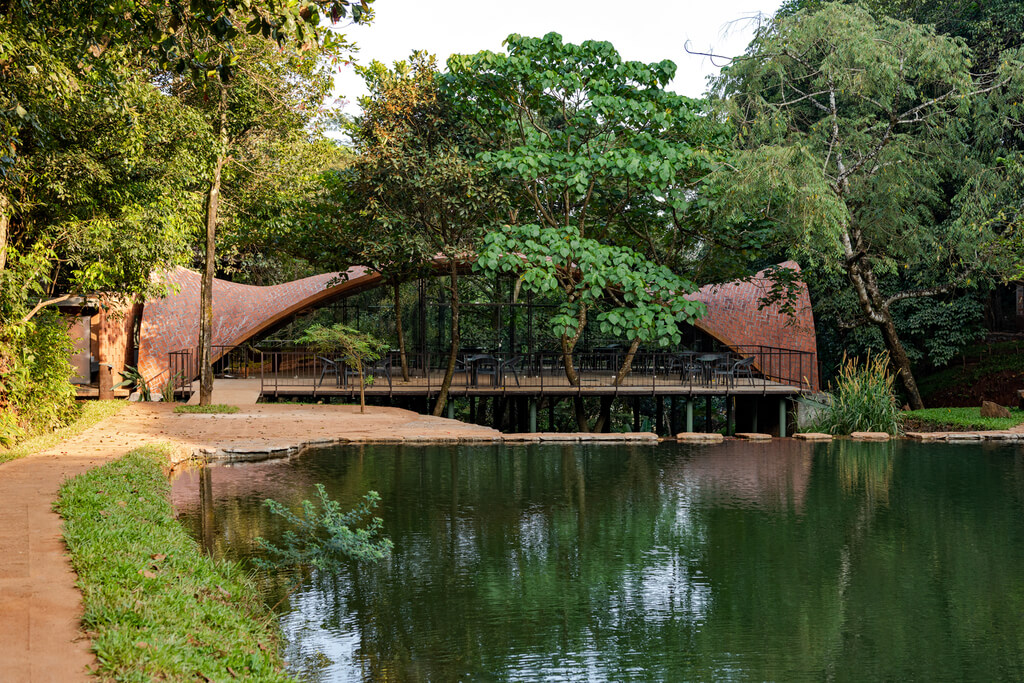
(487, 366)
(510, 365)
(329, 367)
(728, 372)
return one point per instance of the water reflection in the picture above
(777, 561)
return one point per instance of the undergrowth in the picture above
(156, 607)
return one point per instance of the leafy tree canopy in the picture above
(848, 131)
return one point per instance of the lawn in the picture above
(959, 419)
(156, 606)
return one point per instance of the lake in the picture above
(782, 561)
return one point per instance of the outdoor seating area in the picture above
(482, 372)
(477, 369)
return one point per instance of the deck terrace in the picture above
(766, 372)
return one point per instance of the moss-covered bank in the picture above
(156, 607)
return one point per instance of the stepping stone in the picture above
(926, 436)
(521, 438)
(869, 436)
(963, 436)
(753, 436)
(560, 437)
(699, 437)
(812, 436)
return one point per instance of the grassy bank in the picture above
(156, 607)
(91, 413)
(212, 409)
(959, 419)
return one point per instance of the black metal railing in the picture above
(540, 372)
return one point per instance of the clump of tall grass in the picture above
(862, 399)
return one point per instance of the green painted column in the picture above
(533, 415)
(451, 409)
(782, 417)
(689, 414)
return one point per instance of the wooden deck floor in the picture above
(591, 384)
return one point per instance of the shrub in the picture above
(862, 399)
(35, 372)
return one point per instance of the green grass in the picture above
(91, 413)
(214, 408)
(965, 418)
(157, 607)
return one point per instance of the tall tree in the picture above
(596, 145)
(209, 58)
(416, 185)
(848, 130)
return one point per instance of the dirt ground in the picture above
(40, 608)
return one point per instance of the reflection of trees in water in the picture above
(876, 561)
(865, 466)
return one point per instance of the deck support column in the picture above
(533, 416)
(730, 415)
(472, 409)
(673, 416)
(451, 409)
(689, 414)
(757, 406)
(659, 419)
(636, 414)
(707, 413)
(551, 413)
(782, 417)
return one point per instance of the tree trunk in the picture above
(568, 346)
(898, 357)
(580, 410)
(453, 354)
(398, 329)
(5, 222)
(206, 299)
(861, 275)
(627, 363)
(604, 421)
(362, 385)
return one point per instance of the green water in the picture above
(740, 562)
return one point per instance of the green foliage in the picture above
(964, 418)
(35, 390)
(636, 299)
(217, 408)
(588, 139)
(862, 399)
(89, 413)
(157, 606)
(852, 142)
(134, 379)
(323, 536)
(356, 348)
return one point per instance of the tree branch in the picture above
(918, 293)
(43, 304)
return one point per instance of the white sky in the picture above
(644, 30)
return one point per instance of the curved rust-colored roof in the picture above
(241, 312)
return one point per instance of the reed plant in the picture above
(862, 399)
